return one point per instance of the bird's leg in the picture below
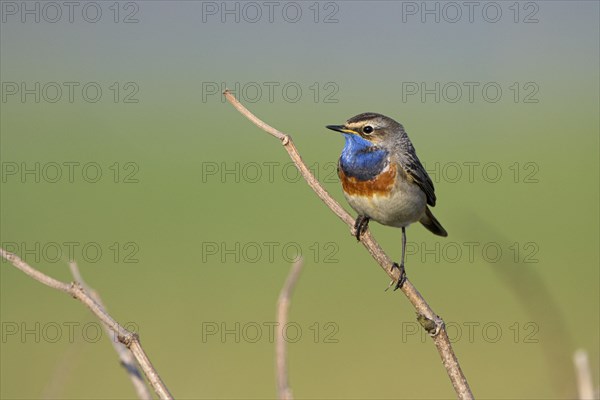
(402, 277)
(360, 225)
(400, 280)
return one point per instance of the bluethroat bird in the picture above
(383, 179)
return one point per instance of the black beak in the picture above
(338, 128)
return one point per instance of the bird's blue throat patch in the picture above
(361, 159)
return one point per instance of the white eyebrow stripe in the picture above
(356, 125)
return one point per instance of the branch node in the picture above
(285, 140)
(433, 327)
(128, 338)
(74, 287)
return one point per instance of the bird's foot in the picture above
(360, 226)
(401, 278)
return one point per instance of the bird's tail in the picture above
(432, 224)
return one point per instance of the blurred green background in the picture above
(197, 213)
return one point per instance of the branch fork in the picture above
(136, 356)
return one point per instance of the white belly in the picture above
(402, 207)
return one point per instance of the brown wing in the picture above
(415, 170)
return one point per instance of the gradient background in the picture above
(177, 132)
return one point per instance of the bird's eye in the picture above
(367, 129)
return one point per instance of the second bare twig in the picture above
(129, 339)
(283, 306)
(126, 357)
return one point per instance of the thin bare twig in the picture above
(129, 339)
(126, 357)
(426, 316)
(284, 391)
(585, 386)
